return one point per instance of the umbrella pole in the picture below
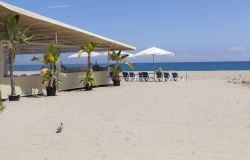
(154, 65)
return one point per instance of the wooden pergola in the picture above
(67, 37)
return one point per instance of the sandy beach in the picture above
(199, 119)
(52, 54)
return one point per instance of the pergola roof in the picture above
(69, 38)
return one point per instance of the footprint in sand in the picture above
(116, 127)
(127, 139)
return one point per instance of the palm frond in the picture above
(124, 56)
(88, 79)
(81, 50)
(119, 58)
(36, 59)
(119, 52)
(91, 46)
(131, 65)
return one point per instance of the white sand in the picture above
(195, 120)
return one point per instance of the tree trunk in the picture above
(54, 74)
(89, 63)
(11, 67)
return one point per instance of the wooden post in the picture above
(58, 65)
(109, 66)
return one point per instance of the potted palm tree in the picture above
(88, 79)
(14, 35)
(116, 68)
(49, 74)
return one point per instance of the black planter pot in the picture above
(88, 88)
(116, 82)
(51, 91)
(14, 97)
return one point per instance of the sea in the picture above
(171, 66)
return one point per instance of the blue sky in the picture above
(196, 30)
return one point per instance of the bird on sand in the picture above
(60, 128)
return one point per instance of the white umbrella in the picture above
(84, 54)
(153, 51)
